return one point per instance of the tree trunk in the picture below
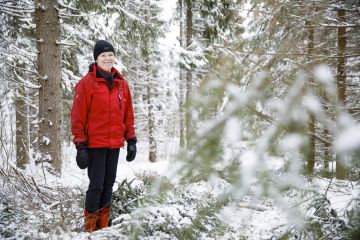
(327, 150)
(326, 134)
(151, 119)
(50, 92)
(33, 122)
(181, 79)
(189, 32)
(341, 79)
(311, 123)
(21, 109)
(22, 139)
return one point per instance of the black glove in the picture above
(82, 156)
(131, 150)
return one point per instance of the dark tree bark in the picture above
(341, 80)
(189, 33)
(22, 140)
(311, 123)
(150, 94)
(181, 79)
(50, 92)
(21, 106)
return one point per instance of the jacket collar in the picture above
(117, 76)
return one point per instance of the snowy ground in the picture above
(251, 217)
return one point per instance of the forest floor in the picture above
(53, 209)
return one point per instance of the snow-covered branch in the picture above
(27, 70)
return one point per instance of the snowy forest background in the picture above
(247, 116)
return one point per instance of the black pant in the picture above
(102, 173)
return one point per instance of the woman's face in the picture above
(106, 60)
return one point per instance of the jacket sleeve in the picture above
(129, 115)
(79, 112)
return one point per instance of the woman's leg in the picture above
(111, 163)
(96, 174)
(110, 175)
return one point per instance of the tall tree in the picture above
(20, 68)
(22, 137)
(181, 78)
(189, 36)
(147, 45)
(341, 78)
(50, 92)
(21, 106)
(311, 123)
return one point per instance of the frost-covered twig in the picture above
(278, 53)
(27, 70)
(252, 207)
(15, 185)
(328, 187)
(130, 15)
(65, 43)
(21, 176)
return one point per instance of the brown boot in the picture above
(90, 220)
(103, 219)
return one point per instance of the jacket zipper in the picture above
(110, 119)
(87, 118)
(119, 101)
(120, 97)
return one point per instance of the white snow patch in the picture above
(292, 142)
(312, 103)
(46, 140)
(324, 74)
(232, 129)
(348, 139)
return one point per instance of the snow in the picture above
(264, 203)
(249, 164)
(232, 131)
(324, 74)
(257, 219)
(292, 142)
(340, 192)
(348, 139)
(313, 104)
(168, 8)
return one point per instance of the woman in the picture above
(101, 118)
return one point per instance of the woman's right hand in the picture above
(82, 157)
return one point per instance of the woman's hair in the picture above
(91, 66)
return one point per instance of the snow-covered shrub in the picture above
(182, 212)
(126, 198)
(322, 221)
(325, 221)
(31, 210)
(353, 216)
(7, 214)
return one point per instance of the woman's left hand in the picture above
(131, 150)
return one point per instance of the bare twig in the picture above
(328, 186)
(28, 70)
(10, 181)
(21, 176)
(38, 189)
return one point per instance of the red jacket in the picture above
(99, 116)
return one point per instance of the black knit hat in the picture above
(102, 46)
